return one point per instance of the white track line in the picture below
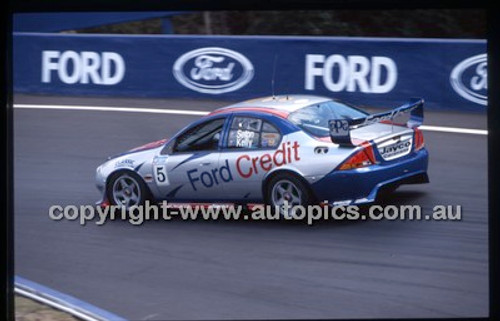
(122, 109)
(454, 130)
(203, 113)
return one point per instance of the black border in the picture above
(152, 5)
(6, 197)
(493, 159)
(6, 175)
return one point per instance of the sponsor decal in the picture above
(470, 79)
(85, 67)
(395, 150)
(375, 75)
(213, 70)
(247, 166)
(160, 159)
(339, 127)
(125, 163)
(270, 139)
(209, 178)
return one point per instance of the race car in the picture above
(293, 149)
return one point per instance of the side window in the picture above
(270, 137)
(249, 132)
(204, 136)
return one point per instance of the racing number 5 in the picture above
(161, 175)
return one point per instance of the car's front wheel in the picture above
(127, 189)
(286, 192)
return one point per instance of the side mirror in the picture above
(168, 149)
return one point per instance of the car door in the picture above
(248, 152)
(187, 169)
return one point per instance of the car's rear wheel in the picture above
(127, 189)
(287, 189)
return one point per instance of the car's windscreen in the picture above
(314, 119)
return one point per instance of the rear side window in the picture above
(253, 133)
(270, 137)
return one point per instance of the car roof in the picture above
(279, 105)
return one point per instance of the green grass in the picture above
(29, 310)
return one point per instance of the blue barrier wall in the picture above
(365, 71)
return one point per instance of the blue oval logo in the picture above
(470, 79)
(213, 70)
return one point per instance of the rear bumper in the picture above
(360, 186)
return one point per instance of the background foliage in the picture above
(428, 23)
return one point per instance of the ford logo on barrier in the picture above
(213, 70)
(470, 79)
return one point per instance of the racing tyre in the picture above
(286, 188)
(127, 189)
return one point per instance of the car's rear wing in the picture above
(340, 129)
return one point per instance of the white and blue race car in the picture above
(296, 149)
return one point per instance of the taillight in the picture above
(419, 139)
(364, 157)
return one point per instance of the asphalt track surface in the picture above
(243, 269)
